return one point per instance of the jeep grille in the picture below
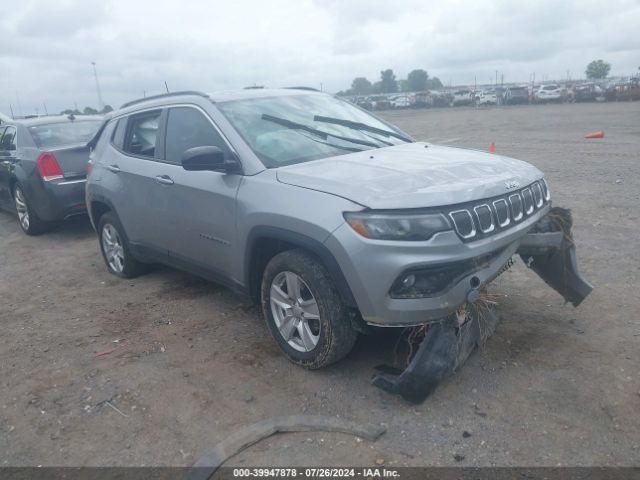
(477, 220)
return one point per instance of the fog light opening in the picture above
(475, 282)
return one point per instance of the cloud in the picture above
(60, 19)
(48, 45)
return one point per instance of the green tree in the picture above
(361, 86)
(417, 80)
(106, 109)
(89, 111)
(598, 69)
(388, 82)
(403, 85)
(434, 84)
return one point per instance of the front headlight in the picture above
(397, 225)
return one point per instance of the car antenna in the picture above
(165, 86)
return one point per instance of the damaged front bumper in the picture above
(549, 250)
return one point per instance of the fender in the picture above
(303, 241)
(101, 199)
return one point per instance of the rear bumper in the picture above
(58, 200)
(372, 267)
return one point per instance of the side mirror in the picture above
(204, 158)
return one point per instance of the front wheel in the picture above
(304, 311)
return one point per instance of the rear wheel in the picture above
(115, 249)
(304, 311)
(27, 217)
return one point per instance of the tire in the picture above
(115, 248)
(28, 219)
(317, 335)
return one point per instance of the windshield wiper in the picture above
(320, 133)
(360, 126)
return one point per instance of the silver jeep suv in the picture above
(330, 218)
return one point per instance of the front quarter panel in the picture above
(265, 203)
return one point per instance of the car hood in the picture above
(411, 175)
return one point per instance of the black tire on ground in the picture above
(336, 335)
(35, 226)
(131, 267)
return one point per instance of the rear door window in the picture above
(187, 127)
(118, 133)
(8, 140)
(142, 134)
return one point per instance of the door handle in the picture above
(164, 180)
(113, 168)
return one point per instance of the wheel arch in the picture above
(265, 242)
(18, 176)
(97, 207)
(13, 181)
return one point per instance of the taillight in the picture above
(89, 166)
(49, 167)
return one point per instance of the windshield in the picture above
(52, 135)
(298, 128)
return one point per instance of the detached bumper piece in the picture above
(446, 346)
(549, 251)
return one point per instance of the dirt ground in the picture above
(554, 386)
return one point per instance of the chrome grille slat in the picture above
(502, 212)
(491, 227)
(527, 198)
(545, 190)
(515, 201)
(472, 232)
(537, 194)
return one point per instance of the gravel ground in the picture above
(554, 386)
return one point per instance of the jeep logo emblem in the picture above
(511, 184)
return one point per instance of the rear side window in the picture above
(142, 134)
(188, 128)
(118, 133)
(8, 140)
(53, 135)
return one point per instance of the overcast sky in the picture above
(47, 46)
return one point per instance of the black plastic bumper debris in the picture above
(445, 347)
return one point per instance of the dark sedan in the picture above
(43, 168)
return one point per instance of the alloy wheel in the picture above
(21, 207)
(295, 311)
(113, 249)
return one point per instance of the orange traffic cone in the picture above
(492, 147)
(599, 134)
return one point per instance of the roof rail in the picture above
(309, 89)
(163, 95)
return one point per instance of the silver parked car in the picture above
(330, 218)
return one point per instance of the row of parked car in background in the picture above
(506, 95)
